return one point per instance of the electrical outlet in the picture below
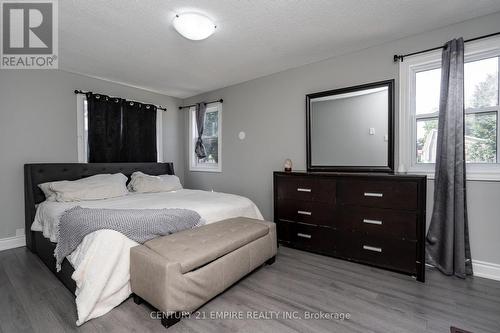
(372, 131)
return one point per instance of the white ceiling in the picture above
(133, 41)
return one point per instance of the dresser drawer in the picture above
(400, 255)
(306, 212)
(306, 189)
(383, 194)
(379, 222)
(307, 237)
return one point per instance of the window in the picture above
(83, 130)
(211, 140)
(420, 87)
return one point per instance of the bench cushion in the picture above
(194, 248)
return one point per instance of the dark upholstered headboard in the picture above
(35, 174)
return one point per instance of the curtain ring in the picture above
(147, 107)
(131, 103)
(97, 96)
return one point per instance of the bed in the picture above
(98, 290)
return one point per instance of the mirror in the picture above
(351, 129)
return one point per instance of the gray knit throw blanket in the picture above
(139, 225)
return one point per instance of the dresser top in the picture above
(351, 174)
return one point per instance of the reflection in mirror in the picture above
(350, 128)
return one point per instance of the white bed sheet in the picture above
(102, 260)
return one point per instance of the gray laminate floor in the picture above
(32, 299)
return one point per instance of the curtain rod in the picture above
(401, 57)
(159, 107)
(190, 106)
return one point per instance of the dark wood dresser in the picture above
(375, 219)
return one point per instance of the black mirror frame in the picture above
(362, 168)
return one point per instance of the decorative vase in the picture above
(287, 165)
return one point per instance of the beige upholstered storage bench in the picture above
(181, 272)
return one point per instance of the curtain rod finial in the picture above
(398, 58)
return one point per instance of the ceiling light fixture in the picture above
(194, 26)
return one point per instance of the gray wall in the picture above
(38, 124)
(335, 122)
(271, 111)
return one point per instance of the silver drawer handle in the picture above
(372, 221)
(372, 248)
(376, 195)
(304, 235)
(303, 189)
(303, 212)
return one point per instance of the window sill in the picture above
(193, 169)
(471, 175)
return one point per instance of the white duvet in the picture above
(102, 260)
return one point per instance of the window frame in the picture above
(193, 136)
(474, 51)
(82, 130)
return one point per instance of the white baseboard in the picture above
(486, 270)
(12, 242)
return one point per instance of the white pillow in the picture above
(143, 183)
(95, 187)
(49, 194)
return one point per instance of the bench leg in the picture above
(137, 299)
(170, 319)
(271, 261)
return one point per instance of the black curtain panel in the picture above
(104, 128)
(448, 237)
(139, 132)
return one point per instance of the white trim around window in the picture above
(407, 114)
(82, 128)
(159, 135)
(194, 165)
